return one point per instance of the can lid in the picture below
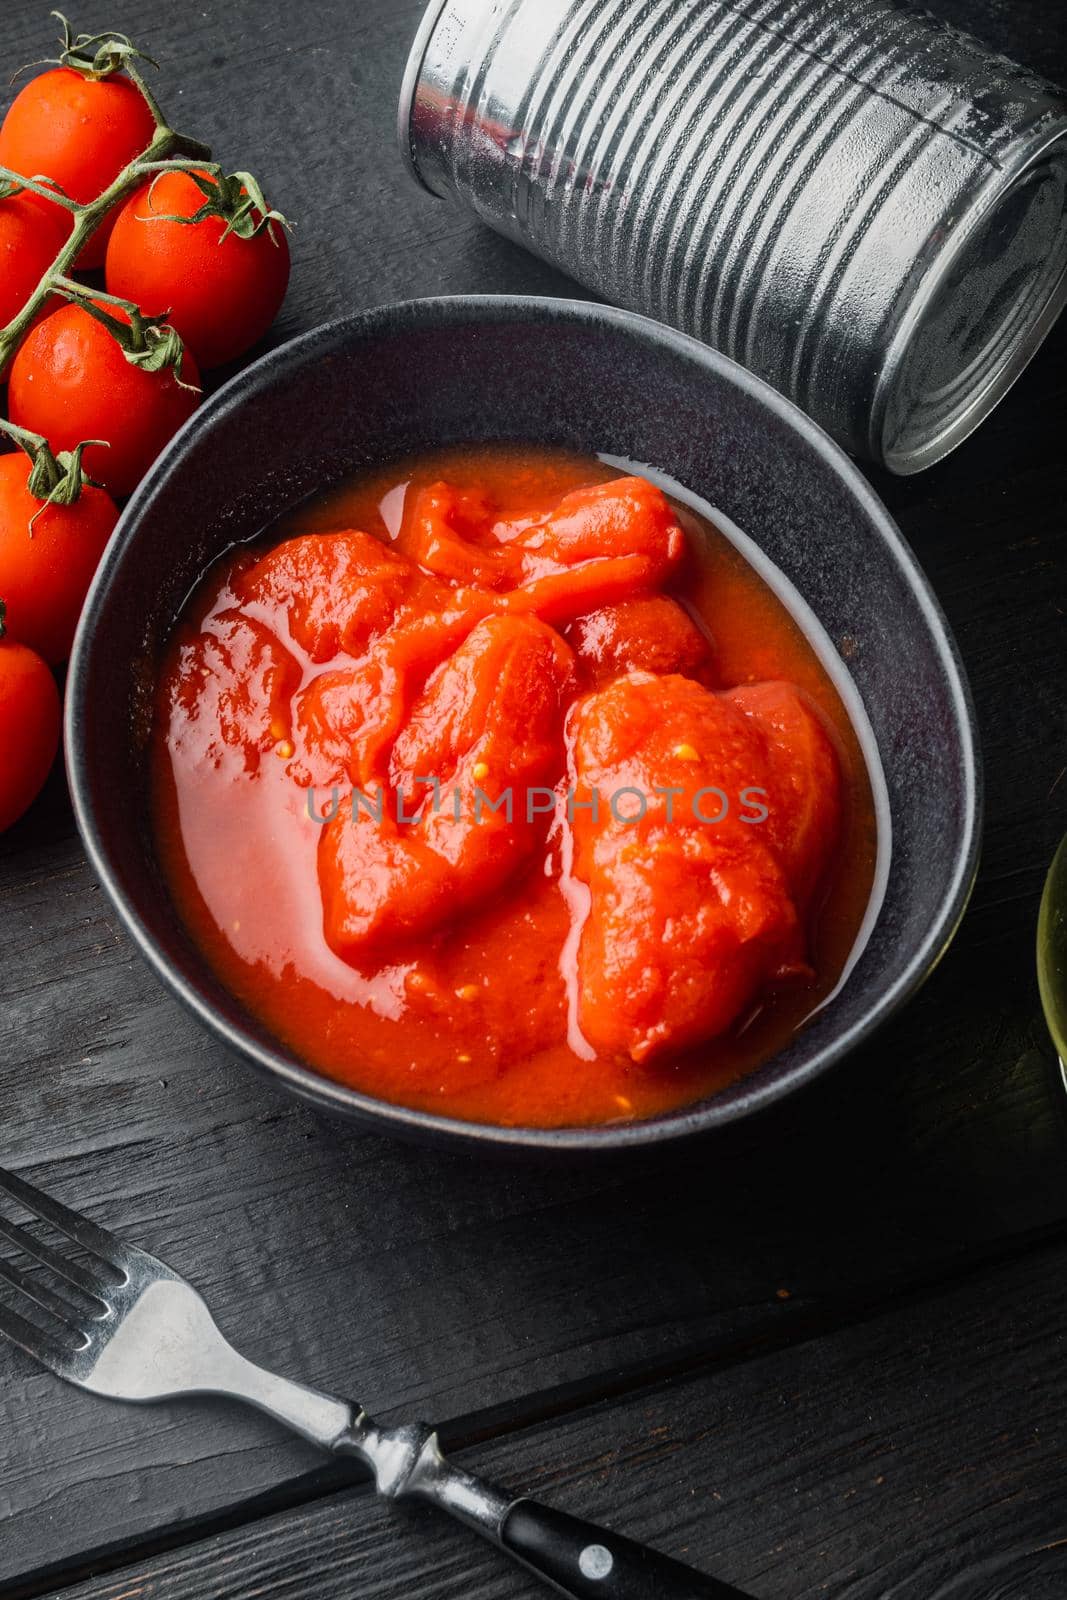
(976, 323)
(412, 73)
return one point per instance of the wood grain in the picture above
(915, 1457)
(504, 1294)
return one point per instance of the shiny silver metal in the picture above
(120, 1323)
(856, 202)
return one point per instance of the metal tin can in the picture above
(858, 203)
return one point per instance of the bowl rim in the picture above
(274, 1060)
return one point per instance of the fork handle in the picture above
(577, 1558)
(589, 1563)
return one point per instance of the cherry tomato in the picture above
(29, 726)
(71, 381)
(32, 231)
(79, 130)
(220, 291)
(45, 571)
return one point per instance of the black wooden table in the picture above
(821, 1354)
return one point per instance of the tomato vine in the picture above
(148, 341)
(55, 479)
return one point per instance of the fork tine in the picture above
(30, 1338)
(53, 1303)
(73, 1271)
(98, 1241)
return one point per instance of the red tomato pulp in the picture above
(536, 624)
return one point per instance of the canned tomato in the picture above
(858, 203)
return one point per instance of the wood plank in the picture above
(451, 1286)
(916, 1457)
(447, 1285)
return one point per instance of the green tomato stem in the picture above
(149, 97)
(11, 182)
(54, 480)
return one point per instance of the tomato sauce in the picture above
(344, 708)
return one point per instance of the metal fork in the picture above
(125, 1326)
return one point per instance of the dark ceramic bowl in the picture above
(397, 380)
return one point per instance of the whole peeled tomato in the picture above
(79, 130)
(48, 554)
(32, 232)
(29, 725)
(70, 380)
(219, 289)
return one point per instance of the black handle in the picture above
(590, 1563)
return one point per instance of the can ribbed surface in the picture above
(855, 202)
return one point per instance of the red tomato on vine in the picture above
(79, 131)
(30, 718)
(71, 380)
(32, 232)
(219, 276)
(53, 530)
(82, 122)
